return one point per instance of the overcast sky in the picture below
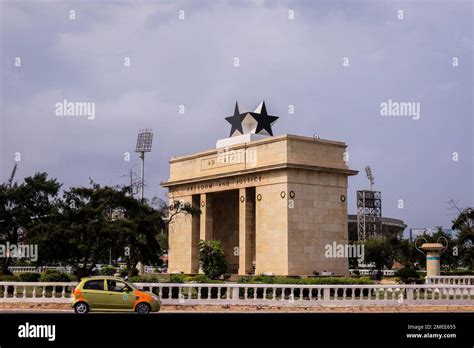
(289, 53)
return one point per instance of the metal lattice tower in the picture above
(369, 214)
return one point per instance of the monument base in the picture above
(240, 139)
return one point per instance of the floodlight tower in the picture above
(10, 179)
(369, 210)
(368, 171)
(144, 141)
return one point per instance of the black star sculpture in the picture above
(236, 120)
(264, 120)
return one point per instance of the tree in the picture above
(407, 275)
(406, 254)
(448, 257)
(212, 258)
(82, 231)
(23, 206)
(464, 224)
(95, 222)
(380, 252)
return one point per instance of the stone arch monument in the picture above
(274, 202)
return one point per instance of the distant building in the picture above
(390, 226)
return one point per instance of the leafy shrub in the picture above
(304, 281)
(212, 258)
(146, 279)
(176, 278)
(54, 276)
(9, 278)
(29, 276)
(201, 278)
(107, 271)
(123, 272)
(407, 275)
(72, 278)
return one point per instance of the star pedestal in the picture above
(240, 139)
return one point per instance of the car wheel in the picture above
(81, 308)
(143, 308)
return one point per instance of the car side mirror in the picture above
(126, 290)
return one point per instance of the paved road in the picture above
(217, 309)
(70, 311)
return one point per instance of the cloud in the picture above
(190, 62)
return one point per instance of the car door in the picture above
(94, 293)
(120, 295)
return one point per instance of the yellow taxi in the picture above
(105, 293)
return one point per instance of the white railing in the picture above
(450, 280)
(385, 272)
(263, 294)
(67, 269)
(36, 291)
(24, 269)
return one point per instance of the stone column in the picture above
(206, 219)
(246, 230)
(433, 253)
(196, 222)
(183, 235)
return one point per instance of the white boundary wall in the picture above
(262, 294)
